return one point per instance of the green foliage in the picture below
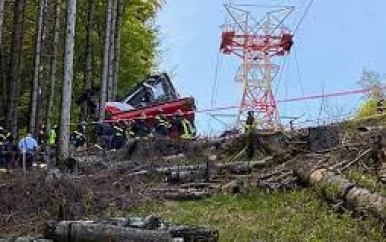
(371, 81)
(367, 109)
(258, 216)
(137, 58)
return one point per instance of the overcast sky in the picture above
(335, 42)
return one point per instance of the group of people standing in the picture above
(114, 135)
(13, 155)
(110, 135)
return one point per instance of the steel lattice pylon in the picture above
(258, 37)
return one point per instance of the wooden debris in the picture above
(88, 231)
(337, 189)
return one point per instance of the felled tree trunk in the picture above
(71, 231)
(338, 189)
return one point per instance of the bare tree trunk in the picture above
(43, 75)
(4, 86)
(14, 67)
(64, 135)
(35, 82)
(89, 51)
(117, 46)
(53, 77)
(110, 89)
(54, 66)
(105, 68)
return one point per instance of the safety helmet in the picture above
(143, 116)
(179, 113)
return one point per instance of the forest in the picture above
(53, 47)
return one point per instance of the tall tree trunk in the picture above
(110, 89)
(37, 66)
(117, 46)
(105, 67)
(89, 51)
(64, 135)
(44, 63)
(54, 61)
(15, 64)
(4, 83)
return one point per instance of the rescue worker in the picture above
(250, 122)
(119, 138)
(77, 137)
(161, 125)
(105, 133)
(183, 126)
(380, 106)
(250, 127)
(28, 146)
(10, 151)
(3, 150)
(42, 135)
(53, 136)
(140, 127)
(291, 123)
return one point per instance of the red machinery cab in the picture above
(150, 96)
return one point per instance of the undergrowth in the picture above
(367, 181)
(258, 216)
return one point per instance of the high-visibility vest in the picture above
(78, 135)
(118, 131)
(187, 129)
(250, 124)
(2, 139)
(161, 122)
(52, 137)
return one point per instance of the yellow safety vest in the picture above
(52, 137)
(2, 139)
(187, 130)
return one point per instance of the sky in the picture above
(336, 41)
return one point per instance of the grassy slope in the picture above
(257, 216)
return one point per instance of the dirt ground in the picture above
(106, 183)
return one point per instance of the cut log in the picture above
(180, 194)
(87, 231)
(338, 189)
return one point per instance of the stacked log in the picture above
(338, 189)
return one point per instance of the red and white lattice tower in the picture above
(259, 37)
